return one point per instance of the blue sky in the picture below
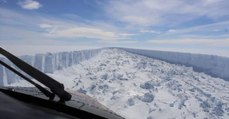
(198, 26)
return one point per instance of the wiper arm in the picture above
(56, 87)
(42, 89)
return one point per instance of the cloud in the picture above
(84, 32)
(126, 34)
(43, 25)
(202, 30)
(194, 41)
(154, 12)
(47, 27)
(172, 30)
(70, 29)
(61, 29)
(11, 17)
(150, 31)
(136, 19)
(30, 4)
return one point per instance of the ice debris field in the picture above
(140, 84)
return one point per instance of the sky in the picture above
(196, 26)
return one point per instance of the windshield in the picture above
(141, 59)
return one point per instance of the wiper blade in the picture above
(56, 87)
(42, 89)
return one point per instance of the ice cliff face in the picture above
(47, 63)
(213, 65)
(138, 87)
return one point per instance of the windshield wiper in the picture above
(56, 87)
(42, 89)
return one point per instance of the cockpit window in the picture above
(136, 59)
